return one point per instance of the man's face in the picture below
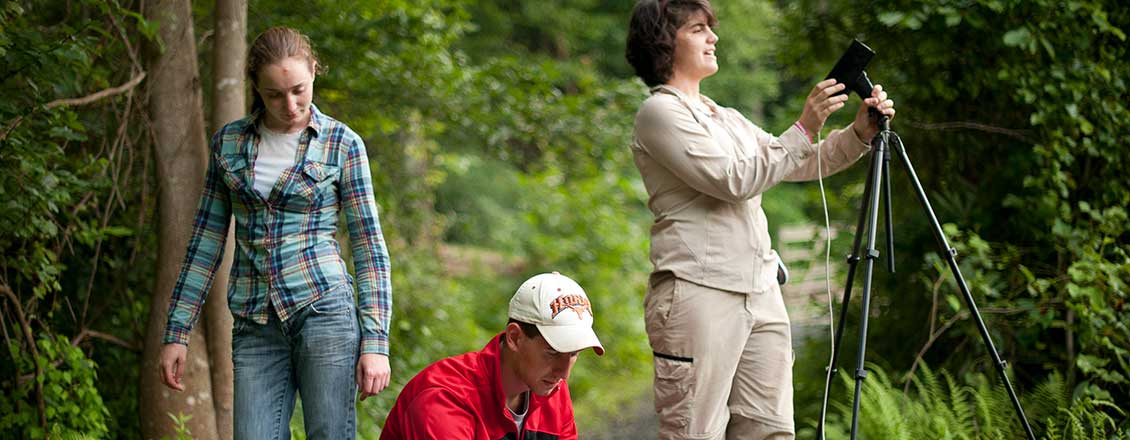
(539, 366)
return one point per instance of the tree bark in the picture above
(228, 104)
(177, 118)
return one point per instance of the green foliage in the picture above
(942, 406)
(69, 217)
(180, 421)
(603, 248)
(1015, 127)
(498, 134)
(1077, 188)
(73, 403)
(1087, 420)
(749, 76)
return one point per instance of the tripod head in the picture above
(862, 83)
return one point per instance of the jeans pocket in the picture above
(333, 304)
(329, 335)
(238, 325)
(674, 391)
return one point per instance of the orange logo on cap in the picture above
(577, 303)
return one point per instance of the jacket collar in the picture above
(707, 103)
(492, 357)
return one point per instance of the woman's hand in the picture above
(865, 126)
(172, 365)
(373, 374)
(820, 104)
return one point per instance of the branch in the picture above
(78, 101)
(34, 352)
(934, 308)
(1020, 135)
(125, 40)
(12, 126)
(99, 94)
(85, 333)
(204, 37)
(82, 336)
(922, 352)
(1005, 310)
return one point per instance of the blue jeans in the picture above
(314, 353)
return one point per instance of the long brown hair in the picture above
(272, 46)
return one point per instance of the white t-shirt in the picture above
(276, 153)
(519, 418)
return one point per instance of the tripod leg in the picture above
(853, 263)
(887, 205)
(872, 255)
(950, 255)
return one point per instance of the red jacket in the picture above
(461, 398)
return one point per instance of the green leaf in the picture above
(117, 231)
(891, 18)
(1019, 37)
(1085, 126)
(953, 302)
(1089, 364)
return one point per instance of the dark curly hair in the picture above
(651, 35)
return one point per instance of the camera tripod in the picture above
(878, 178)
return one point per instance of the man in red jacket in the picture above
(515, 387)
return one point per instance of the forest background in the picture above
(498, 131)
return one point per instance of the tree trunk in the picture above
(177, 118)
(228, 104)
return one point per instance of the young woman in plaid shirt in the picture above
(302, 324)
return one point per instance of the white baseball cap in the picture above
(560, 310)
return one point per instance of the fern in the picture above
(940, 406)
(961, 409)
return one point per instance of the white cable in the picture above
(827, 245)
(827, 261)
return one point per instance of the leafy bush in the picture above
(72, 212)
(73, 403)
(1018, 138)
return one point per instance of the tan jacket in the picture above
(705, 167)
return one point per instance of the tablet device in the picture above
(849, 69)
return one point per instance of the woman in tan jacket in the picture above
(714, 314)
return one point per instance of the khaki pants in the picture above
(723, 361)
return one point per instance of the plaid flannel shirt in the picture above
(286, 253)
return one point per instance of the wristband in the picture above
(803, 131)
